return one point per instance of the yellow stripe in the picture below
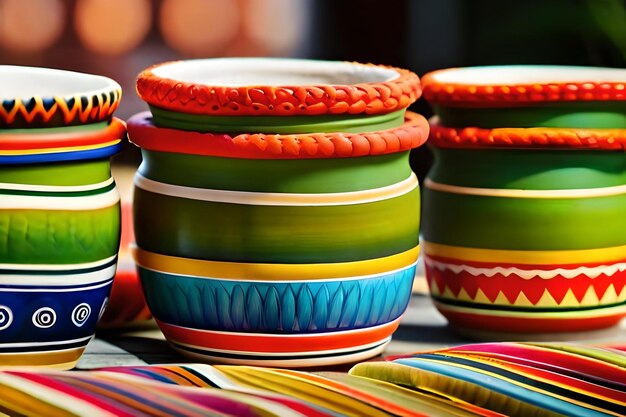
(531, 257)
(62, 359)
(63, 149)
(273, 272)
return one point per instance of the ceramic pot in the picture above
(523, 225)
(59, 212)
(282, 249)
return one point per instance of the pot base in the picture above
(61, 359)
(280, 350)
(478, 323)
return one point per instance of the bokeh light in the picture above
(277, 25)
(31, 26)
(112, 27)
(199, 27)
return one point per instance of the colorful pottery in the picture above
(523, 209)
(59, 217)
(294, 245)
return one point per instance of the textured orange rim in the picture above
(309, 100)
(413, 133)
(536, 137)
(499, 95)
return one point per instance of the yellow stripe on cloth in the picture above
(273, 272)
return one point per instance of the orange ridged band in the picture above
(537, 137)
(307, 100)
(503, 95)
(411, 134)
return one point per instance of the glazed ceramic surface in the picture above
(42, 97)
(523, 226)
(288, 243)
(59, 228)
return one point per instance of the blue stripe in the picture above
(61, 156)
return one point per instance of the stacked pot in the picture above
(276, 215)
(524, 222)
(59, 211)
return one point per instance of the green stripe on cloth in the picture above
(276, 234)
(524, 224)
(59, 236)
(281, 176)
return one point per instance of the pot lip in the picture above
(413, 133)
(32, 97)
(514, 85)
(69, 84)
(277, 86)
(526, 138)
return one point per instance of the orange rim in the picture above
(368, 98)
(495, 95)
(413, 133)
(539, 137)
(28, 141)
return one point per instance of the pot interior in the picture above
(18, 82)
(528, 74)
(237, 72)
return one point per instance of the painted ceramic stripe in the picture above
(37, 236)
(528, 273)
(524, 223)
(358, 123)
(57, 174)
(332, 175)
(220, 353)
(88, 202)
(55, 345)
(56, 282)
(57, 398)
(61, 268)
(609, 254)
(267, 342)
(275, 272)
(54, 289)
(96, 153)
(513, 193)
(546, 314)
(39, 151)
(551, 169)
(278, 199)
(286, 307)
(276, 234)
(56, 188)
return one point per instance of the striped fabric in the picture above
(493, 379)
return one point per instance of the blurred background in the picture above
(119, 38)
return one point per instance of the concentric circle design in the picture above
(6, 317)
(80, 314)
(44, 318)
